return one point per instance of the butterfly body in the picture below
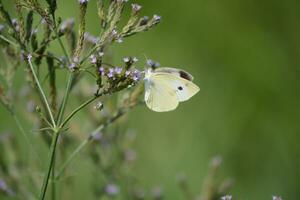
(166, 87)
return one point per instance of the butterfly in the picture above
(165, 87)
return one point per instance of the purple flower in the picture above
(112, 189)
(127, 73)
(29, 57)
(72, 66)
(101, 71)
(118, 70)
(93, 59)
(83, 1)
(150, 62)
(136, 7)
(3, 185)
(90, 38)
(110, 73)
(157, 18)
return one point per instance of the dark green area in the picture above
(244, 55)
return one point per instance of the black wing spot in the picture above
(180, 88)
(185, 75)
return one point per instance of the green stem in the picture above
(42, 93)
(49, 165)
(71, 157)
(89, 53)
(53, 195)
(76, 110)
(59, 40)
(65, 99)
(8, 40)
(119, 113)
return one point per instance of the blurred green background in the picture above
(244, 55)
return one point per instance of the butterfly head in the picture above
(148, 73)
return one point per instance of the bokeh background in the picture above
(244, 55)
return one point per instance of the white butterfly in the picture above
(166, 87)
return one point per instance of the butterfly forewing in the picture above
(159, 96)
(183, 88)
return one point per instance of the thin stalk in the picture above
(21, 128)
(77, 109)
(42, 93)
(49, 165)
(65, 99)
(89, 53)
(119, 113)
(8, 40)
(59, 40)
(53, 188)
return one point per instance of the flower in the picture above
(114, 32)
(90, 38)
(136, 7)
(3, 185)
(127, 73)
(157, 18)
(126, 59)
(110, 73)
(144, 20)
(101, 54)
(135, 59)
(150, 62)
(112, 189)
(101, 70)
(83, 1)
(29, 57)
(136, 75)
(72, 66)
(227, 197)
(118, 70)
(93, 59)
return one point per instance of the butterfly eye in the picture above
(180, 88)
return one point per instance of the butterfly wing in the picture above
(159, 96)
(183, 88)
(177, 72)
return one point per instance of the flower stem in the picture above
(9, 41)
(40, 89)
(109, 121)
(49, 165)
(77, 109)
(65, 99)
